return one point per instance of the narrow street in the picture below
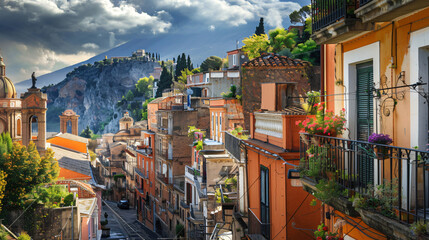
(124, 225)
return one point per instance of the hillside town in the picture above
(326, 138)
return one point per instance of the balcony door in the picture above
(364, 115)
(265, 202)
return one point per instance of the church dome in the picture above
(126, 118)
(7, 89)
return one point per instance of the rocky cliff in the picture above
(92, 91)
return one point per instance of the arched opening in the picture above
(69, 126)
(18, 127)
(205, 92)
(34, 127)
(126, 126)
(2, 126)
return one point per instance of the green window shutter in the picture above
(365, 117)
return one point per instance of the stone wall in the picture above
(45, 223)
(306, 79)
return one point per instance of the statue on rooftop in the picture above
(34, 80)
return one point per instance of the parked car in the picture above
(124, 204)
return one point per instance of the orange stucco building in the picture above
(145, 177)
(374, 64)
(278, 206)
(224, 114)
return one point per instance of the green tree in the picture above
(184, 77)
(260, 28)
(189, 64)
(129, 96)
(144, 86)
(301, 15)
(255, 45)
(280, 39)
(211, 63)
(307, 51)
(24, 169)
(165, 81)
(86, 133)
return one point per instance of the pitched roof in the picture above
(73, 137)
(73, 161)
(274, 60)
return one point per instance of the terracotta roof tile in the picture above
(274, 60)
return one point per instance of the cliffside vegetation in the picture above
(294, 42)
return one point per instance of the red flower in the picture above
(340, 238)
(319, 238)
(325, 229)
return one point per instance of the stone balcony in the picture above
(276, 128)
(387, 10)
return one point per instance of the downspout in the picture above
(323, 72)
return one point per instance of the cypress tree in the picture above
(260, 29)
(189, 64)
(165, 81)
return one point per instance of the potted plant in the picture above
(324, 123)
(323, 233)
(381, 152)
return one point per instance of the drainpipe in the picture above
(322, 71)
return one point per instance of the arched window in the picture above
(34, 127)
(69, 126)
(18, 127)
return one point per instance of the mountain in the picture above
(93, 92)
(199, 45)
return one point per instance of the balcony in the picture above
(257, 229)
(163, 178)
(389, 184)
(176, 103)
(334, 20)
(140, 173)
(193, 174)
(179, 183)
(387, 10)
(277, 128)
(164, 154)
(197, 215)
(232, 145)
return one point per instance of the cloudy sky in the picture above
(46, 35)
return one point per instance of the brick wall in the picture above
(307, 78)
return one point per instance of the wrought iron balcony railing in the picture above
(395, 178)
(256, 227)
(232, 145)
(327, 12)
(162, 178)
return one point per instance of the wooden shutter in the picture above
(365, 117)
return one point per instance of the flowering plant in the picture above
(325, 123)
(323, 234)
(380, 138)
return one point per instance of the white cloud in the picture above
(90, 46)
(232, 12)
(87, 15)
(212, 28)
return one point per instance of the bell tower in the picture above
(69, 121)
(34, 118)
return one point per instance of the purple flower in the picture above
(380, 138)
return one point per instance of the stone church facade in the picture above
(24, 117)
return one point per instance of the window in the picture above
(216, 125)
(265, 201)
(212, 123)
(234, 60)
